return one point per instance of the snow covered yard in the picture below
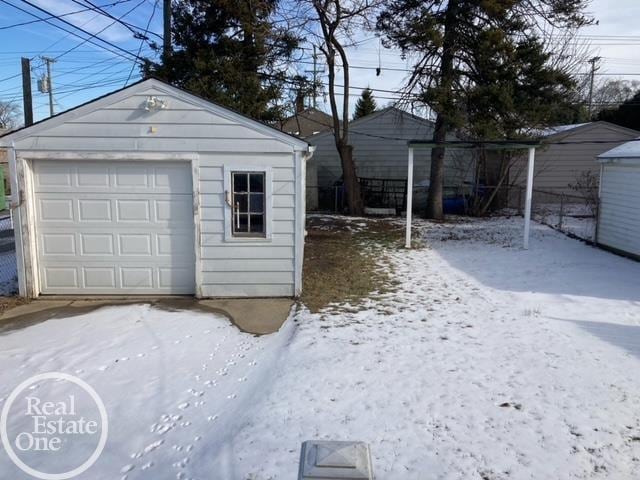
(488, 362)
(484, 361)
(174, 383)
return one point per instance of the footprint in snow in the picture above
(152, 446)
(126, 468)
(183, 406)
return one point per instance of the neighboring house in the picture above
(557, 166)
(618, 215)
(152, 190)
(307, 122)
(380, 152)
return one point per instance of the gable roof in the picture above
(546, 132)
(309, 121)
(629, 149)
(563, 131)
(140, 87)
(378, 113)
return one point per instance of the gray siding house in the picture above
(152, 190)
(558, 166)
(380, 152)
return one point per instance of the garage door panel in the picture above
(94, 210)
(136, 277)
(99, 277)
(132, 210)
(169, 178)
(92, 176)
(96, 244)
(178, 208)
(110, 177)
(128, 238)
(135, 244)
(58, 244)
(55, 210)
(54, 176)
(131, 176)
(60, 277)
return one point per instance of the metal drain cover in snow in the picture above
(324, 460)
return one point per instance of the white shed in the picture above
(152, 190)
(619, 213)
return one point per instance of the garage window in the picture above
(248, 204)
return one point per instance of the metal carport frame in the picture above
(497, 145)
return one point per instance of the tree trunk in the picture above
(350, 179)
(436, 177)
(445, 105)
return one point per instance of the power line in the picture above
(130, 54)
(60, 16)
(129, 26)
(95, 35)
(153, 12)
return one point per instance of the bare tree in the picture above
(331, 26)
(9, 115)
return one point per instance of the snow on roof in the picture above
(629, 149)
(546, 132)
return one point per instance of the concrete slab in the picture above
(254, 315)
(259, 316)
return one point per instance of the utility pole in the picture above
(48, 86)
(27, 105)
(166, 36)
(593, 61)
(315, 72)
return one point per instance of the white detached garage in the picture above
(151, 190)
(619, 213)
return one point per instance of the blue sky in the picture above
(89, 71)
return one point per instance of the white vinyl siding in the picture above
(619, 217)
(213, 142)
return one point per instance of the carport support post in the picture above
(407, 239)
(528, 196)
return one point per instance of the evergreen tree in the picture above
(365, 105)
(626, 115)
(481, 63)
(230, 52)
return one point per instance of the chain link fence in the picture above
(8, 271)
(572, 213)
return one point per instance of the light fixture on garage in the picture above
(153, 103)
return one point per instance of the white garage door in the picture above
(114, 227)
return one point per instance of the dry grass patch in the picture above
(341, 259)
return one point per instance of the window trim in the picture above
(228, 210)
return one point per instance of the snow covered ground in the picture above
(488, 362)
